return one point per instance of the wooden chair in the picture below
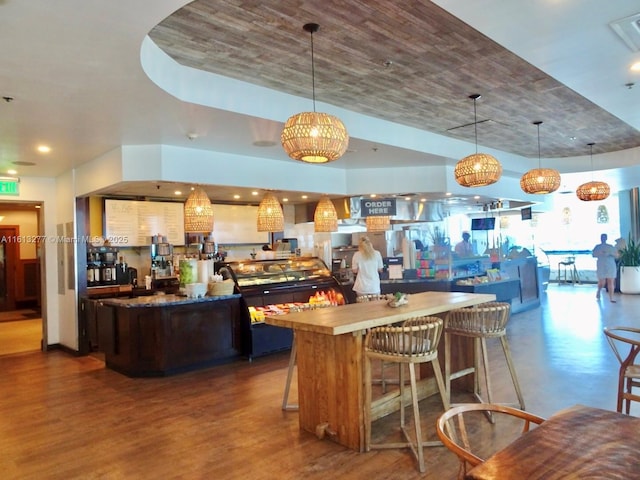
(383, 381)
(464, 435)
(629, 374)
(488, 320)
(415, 341)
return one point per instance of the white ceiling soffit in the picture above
(628, 29)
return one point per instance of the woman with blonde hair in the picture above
(367, 265)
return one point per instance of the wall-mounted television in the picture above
(488, 223)
(525, 213)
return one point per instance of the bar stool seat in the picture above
(568, 265)
(488, 320)
(414, 341)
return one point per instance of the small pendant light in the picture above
(270, 214)
(478, 169)
(198, 212)
(540, 180)
(325, 218)
(593, 190)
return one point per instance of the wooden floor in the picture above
(66, 417)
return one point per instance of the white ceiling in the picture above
(73, 70)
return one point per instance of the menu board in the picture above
(237, 224)
(132, 223)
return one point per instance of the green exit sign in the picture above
(9, 187)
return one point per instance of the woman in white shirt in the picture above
(367, 265)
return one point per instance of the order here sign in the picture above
(378, 207)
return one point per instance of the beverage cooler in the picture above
(274, 287)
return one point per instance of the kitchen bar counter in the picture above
(166, 334)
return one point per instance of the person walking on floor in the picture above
(367, 265)
(606, 255)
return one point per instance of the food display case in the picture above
(273, 287)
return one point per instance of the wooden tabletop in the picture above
(577, 443)
(361, 316)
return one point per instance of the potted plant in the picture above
(629, 260)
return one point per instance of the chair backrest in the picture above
(370, 298)
(414, 339)
(486, 318)
(624, 336)
(464, 431)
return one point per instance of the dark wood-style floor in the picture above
(70, 418)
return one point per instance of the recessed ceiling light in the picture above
(373, 195)
(448, 194)
(423, 199)
(236, 197)
(254, 193)
(477, 197)
(305, 197)
(264, 143)
(635, 67)
(177, 192)
(44, 148)
(285, 199)
(12, 172)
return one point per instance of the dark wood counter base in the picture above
(168, 337)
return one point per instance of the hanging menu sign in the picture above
(132, 223)
(379, 207)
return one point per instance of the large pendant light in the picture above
(478, 169)
(198, 212)
(593, 190)
(540, 180)
(314, 137)
(270, 214)
(380, 223)
(325, 218)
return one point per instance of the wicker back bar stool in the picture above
(414, 341)
(488, 320)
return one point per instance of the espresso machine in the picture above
(161, 260)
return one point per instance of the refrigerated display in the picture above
(275, 287)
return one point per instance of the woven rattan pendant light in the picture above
(198, 212)
(314, 137)
(378, 223)
(270, 214)
(540, 180)
(325, 218)
(594, 190)
(478, 169)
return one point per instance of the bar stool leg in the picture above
(292, 362)
(487, 377)
(367, 404)
(512, 370)
(416, 420)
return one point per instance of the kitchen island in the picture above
(161, 335)
(330, 359)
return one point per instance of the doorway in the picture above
(8, 259)
(22, 326)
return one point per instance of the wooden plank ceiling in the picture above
(408, 62)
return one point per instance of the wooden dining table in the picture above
(576, 443)
(330, 360)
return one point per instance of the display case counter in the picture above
(271, 287)
(166, 334)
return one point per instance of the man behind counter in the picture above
(464, 248)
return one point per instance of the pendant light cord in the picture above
(475, 122)
(591, 155)
(539, 161)
(313, 74)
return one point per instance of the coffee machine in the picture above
(161, 260)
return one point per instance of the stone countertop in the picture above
(163, 300)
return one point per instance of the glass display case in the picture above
(272, 287)
(275, 272)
